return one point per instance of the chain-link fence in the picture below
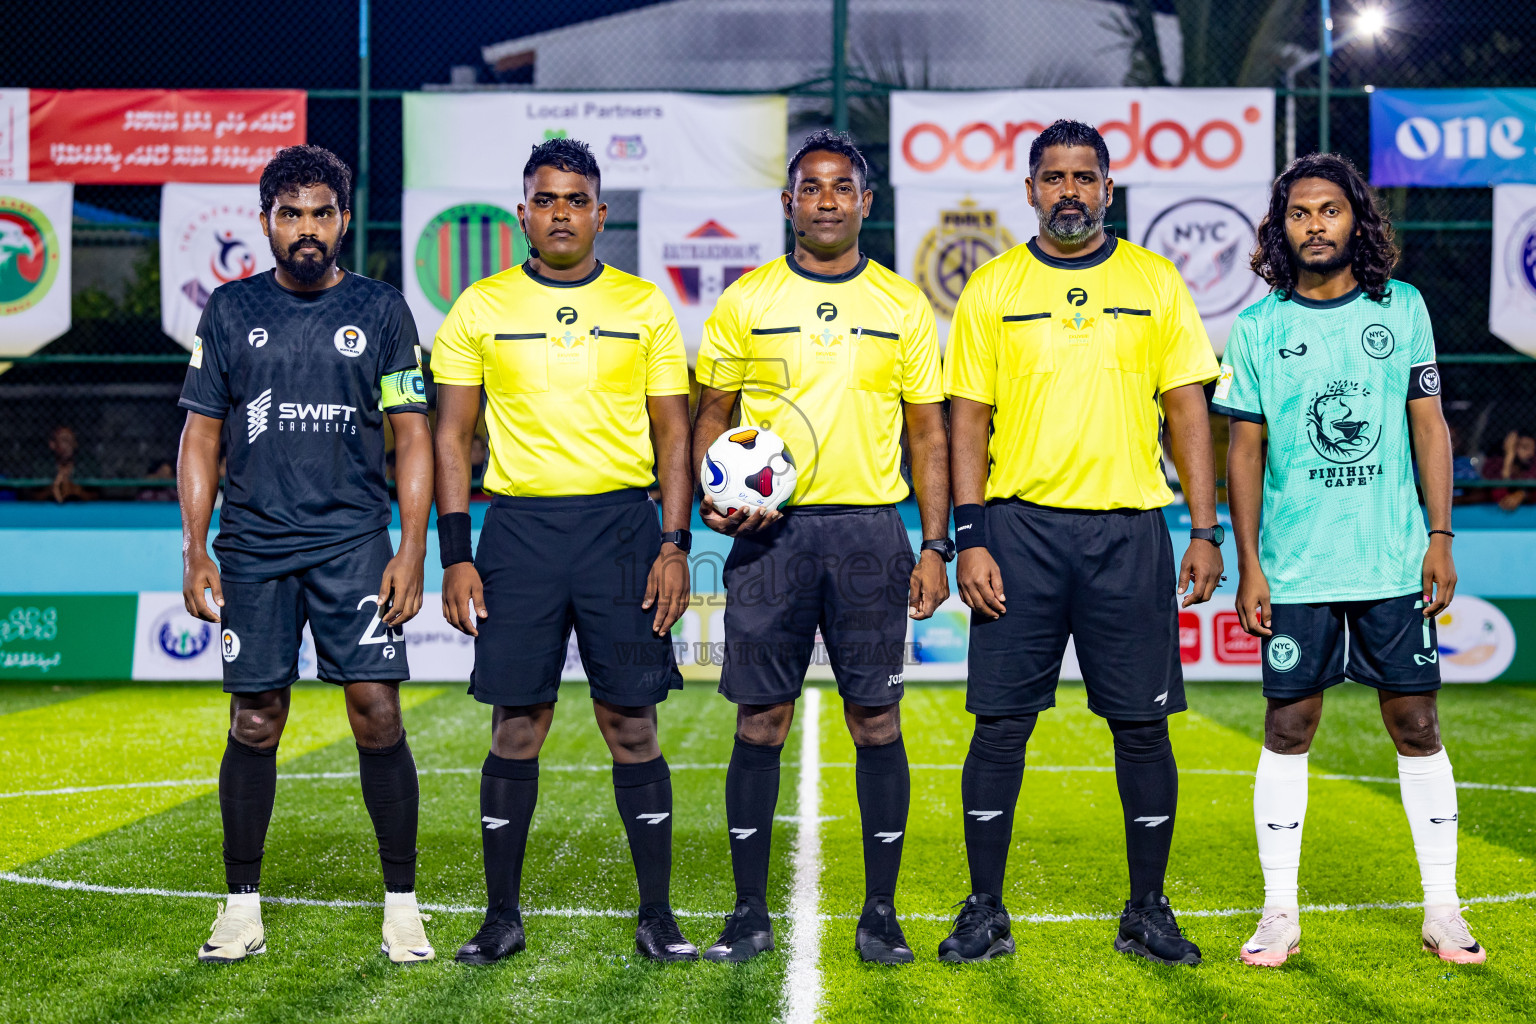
(114, 377)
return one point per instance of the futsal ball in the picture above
(748, 468)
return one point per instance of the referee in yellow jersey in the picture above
(838, 355)
(1066, 357)
(579, 363)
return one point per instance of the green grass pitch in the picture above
(84, 955)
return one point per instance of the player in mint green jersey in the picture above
(1339, 575)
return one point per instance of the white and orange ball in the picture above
(748, 467)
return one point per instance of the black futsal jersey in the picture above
(302, 381)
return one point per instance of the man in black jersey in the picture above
(301, 364)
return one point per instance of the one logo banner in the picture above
(13, 135)
(1209, 234)
(1155, 136)
(1512, 291)
(641, 139)
(209, 235)
(1473, 137)
(452, 238)
(943, 235)
(695, 248)
(34, 265)
(150, 136)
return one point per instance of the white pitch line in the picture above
(802, 979)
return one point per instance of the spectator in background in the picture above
(65, 447)
(1517, 463)
(161, 469)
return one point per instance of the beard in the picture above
(1340, 257)
(1070, 221)
(306, 270)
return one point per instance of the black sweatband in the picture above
(1448, 533)
(453, 538)
(970, 527)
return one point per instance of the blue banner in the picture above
(1470, 137)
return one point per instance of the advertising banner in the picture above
(694, 247)
(451, 238)
(14, 156)
(66, 636)
(944, 234)
(209, 235)
(1512, 288)
(1470, 137)
(150, 136)
(1209, 234)
(34, 264)
(641, 139)
(1155, 136)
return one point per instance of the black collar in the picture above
(539, 278)
(1342, 300)
(828, 278)
(1093, 259)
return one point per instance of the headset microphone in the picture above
(800, 233)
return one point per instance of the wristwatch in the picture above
(944, 546)
(682, 538)
(1215, 535)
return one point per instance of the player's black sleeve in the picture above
(206, 388)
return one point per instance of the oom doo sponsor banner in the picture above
(1470, 137)
(1512, 290)
(34, 265)
(15, 157)
(1155, 136)
(150, 136)
(453, 238)
(1208, 233)
(641, 139)
(944, 234)
(694, 249)
(209, 235)
(66, 636)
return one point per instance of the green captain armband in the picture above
(404, 391)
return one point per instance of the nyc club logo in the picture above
(1282, 652)
(1343, 422)
(1377, 341)
(1208, 240)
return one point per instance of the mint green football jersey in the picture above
(1332, 380)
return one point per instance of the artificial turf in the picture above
(77, 955)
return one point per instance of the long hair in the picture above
(1375, 251)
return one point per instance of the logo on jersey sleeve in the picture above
(197, 352)
(256, 416)
(1429, 381)
(351, 341)
(1377, 341)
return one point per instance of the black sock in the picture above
(247, 790)
(393, 799)
(644, 795)
(509, 789)
(989, 789)
(1149, 797)
(885, 791)
(751, 797)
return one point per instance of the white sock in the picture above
(1279, 814)
(243, 899)
(393, 900)
(1429, 798)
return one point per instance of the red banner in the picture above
(150, 136)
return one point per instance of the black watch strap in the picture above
(682, 538)
(1215, 534)
(944, 546)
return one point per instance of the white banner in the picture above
(694, 247)
(209, 235)
(449, 239)
(944, 234)
(34, 264)
(1209, 234)
(1512, 295)
(641, 139)
(15, 114)
(1155, 136)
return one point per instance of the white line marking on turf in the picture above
(802, 980)
(572, 912)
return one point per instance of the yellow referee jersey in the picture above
(1073, 355)
(827, 363)
(567, 367)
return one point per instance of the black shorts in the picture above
(1388, 644)
(844, 569)
(1107, 580)
(553, 564)
(263, 624)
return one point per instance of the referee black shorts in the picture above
(1107, 580)
(843, 569)
(553, 564)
